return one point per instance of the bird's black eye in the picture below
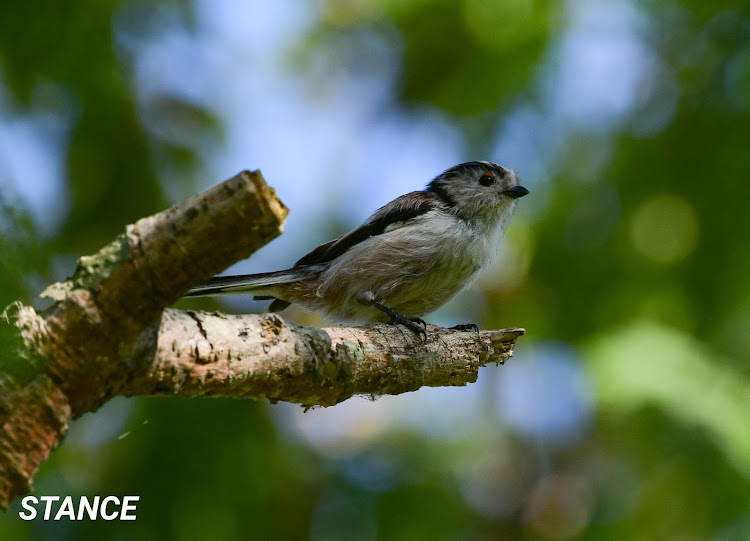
(486, 180)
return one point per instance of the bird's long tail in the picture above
(265, 284)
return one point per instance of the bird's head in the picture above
(478, 190)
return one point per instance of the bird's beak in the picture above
(516, 191)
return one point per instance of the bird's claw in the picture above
(411, 323)
(466, 327)
(418, 320)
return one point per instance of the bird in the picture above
(407, 259)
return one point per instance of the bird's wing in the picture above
(386, 218)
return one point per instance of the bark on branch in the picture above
(263, 356)
(109, 334)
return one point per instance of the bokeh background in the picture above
(625, 413)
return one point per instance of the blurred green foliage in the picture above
(635, 255)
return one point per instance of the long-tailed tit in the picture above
(406, 260)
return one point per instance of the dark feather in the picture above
(442, 193)
(406, 207)
(278, 305)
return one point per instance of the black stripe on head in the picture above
(437, 187)
(438, 184)
(474, 166)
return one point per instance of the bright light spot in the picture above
(31, 160)
(528, 143)
(649, 364)
(664, 229)
(446, 413)
(602, 65)
(258, 29)
(545, 394)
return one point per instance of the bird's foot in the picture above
(465, 327)
(418, 320)
(411, 323)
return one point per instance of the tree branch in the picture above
(108, 334)
(263, 356)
